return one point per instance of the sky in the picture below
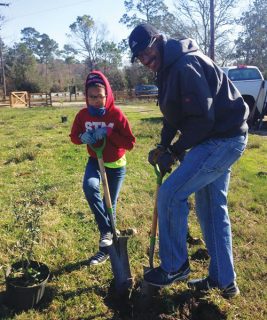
(53, 17)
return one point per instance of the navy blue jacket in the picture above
(196, 98)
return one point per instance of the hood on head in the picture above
(174, 50)
(96, 76)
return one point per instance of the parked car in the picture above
(252, 86)
(146, 90)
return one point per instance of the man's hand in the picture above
(165, 161)
(100, 133)
(88, 137)
(155, 153)
(179, 156)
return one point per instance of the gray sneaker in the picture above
(230, 291)
(98, 258)
(106, 239)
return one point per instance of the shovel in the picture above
(147, 290)
(153, 232)
(118, 250)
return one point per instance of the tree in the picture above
(2, 73)
(31, 38)
(194, 22)
(88, 38)
(69, 53)
(116, 78)
(154, 12)
(2, 19)
(138, 74)
(21, 69)
(46, 48)
(40, 44)
(251, 45)
(108, 54)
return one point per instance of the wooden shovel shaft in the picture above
(153, 231)
(154, 225)
(107, 196)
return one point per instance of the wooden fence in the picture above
(19, 99)
(40, 99)
(26, 99)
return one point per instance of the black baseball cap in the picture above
(140, 38)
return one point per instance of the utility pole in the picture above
(212, 40)
(2, 60)
(3, 70)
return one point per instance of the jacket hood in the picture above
(110, 98)
(174, 50)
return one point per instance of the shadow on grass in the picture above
(121, 305)
(186, 305)
(7, 312)
(50, 293)
(28, 155)
(154, 120)
(183, 306)
(70, 268)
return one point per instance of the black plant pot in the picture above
(64, 119)
(21, 297)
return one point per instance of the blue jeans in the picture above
(205, 171)
(91, 188)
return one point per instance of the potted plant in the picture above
(26, 278)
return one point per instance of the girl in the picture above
(101, 118)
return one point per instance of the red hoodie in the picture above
(120, 137)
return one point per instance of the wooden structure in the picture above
(19, 99)
(40, 99)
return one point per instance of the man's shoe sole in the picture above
(224, 293)
(230, 295)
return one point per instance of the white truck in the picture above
(253, 88)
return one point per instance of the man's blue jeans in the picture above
(91, 188)
(205, 171)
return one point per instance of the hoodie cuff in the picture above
(179, 154)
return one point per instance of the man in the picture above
(198, 100)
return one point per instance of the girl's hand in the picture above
(88, 137)
(100, 133)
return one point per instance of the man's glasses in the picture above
(147, 50)
(98, 97)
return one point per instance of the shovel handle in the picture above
(155, 211)
(99, 150)
(158, 174)
(153, 231)
(99, 154)
(155, 215)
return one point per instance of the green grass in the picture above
(37, 158)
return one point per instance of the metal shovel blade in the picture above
(120, 265)
(147, 292)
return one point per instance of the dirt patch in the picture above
(184, 305)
